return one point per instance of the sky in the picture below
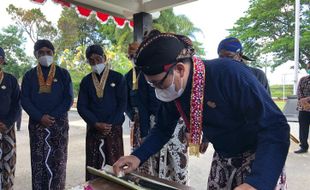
(212, 17)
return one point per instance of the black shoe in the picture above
(300, 151)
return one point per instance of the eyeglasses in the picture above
(160, 83)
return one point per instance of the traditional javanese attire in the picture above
(303, 91)
(48, 90)
(9, 109)
(102, 98)
(223, 100)
(171, 161)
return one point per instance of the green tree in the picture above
(76, 31)
(12, 41)
(267, 29)
(179, 24)
(81, 32)
(33, 22)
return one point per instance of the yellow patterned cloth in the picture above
(99, 85)
(45, 86)
(1, 76)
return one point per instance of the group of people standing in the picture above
(176, 103)
(46, 94)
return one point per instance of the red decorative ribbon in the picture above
(194, 125)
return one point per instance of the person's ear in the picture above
(180, 68)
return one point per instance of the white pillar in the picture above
(296, 49)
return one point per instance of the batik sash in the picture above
(194, 125)
(1, 76)
(99, 86)
(46, 86)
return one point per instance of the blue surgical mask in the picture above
(169, 94)
(98, 68)
(308, 71)
(46, 60)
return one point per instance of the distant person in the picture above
(9, 108)
(303, 95)
(47, 96)
(232, 48)
(101, 103)
(171, 162)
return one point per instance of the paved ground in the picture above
(298, 166)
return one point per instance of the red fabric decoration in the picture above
(119, 21)
(102, 17)
(39, 1)
(131, 24)
(83, 11)
(63, 3)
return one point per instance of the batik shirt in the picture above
(303, 91)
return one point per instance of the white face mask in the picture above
(46, 60)
(169, 94)
(98, 68)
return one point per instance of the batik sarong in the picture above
(7, 158)
(172, 161)
(49, 154)
(228, 173)
(103, 149)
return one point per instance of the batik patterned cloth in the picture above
(171, 163)
(103, 149)
(7, 158)
(49, 146)
(228, 173)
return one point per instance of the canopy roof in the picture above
(121, 11)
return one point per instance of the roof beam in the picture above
(158, 5)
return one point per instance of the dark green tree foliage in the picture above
(12, 41)
(267, 29)
(33, 22)
(77, 31)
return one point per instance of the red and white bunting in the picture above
(84, 12)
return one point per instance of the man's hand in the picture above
(103, 128)
(203, 147)
(2, 127)
(126, 164)
(47, 120)
(244, 186)
(305, 103)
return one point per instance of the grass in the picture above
(277, 91)
(280, 103)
